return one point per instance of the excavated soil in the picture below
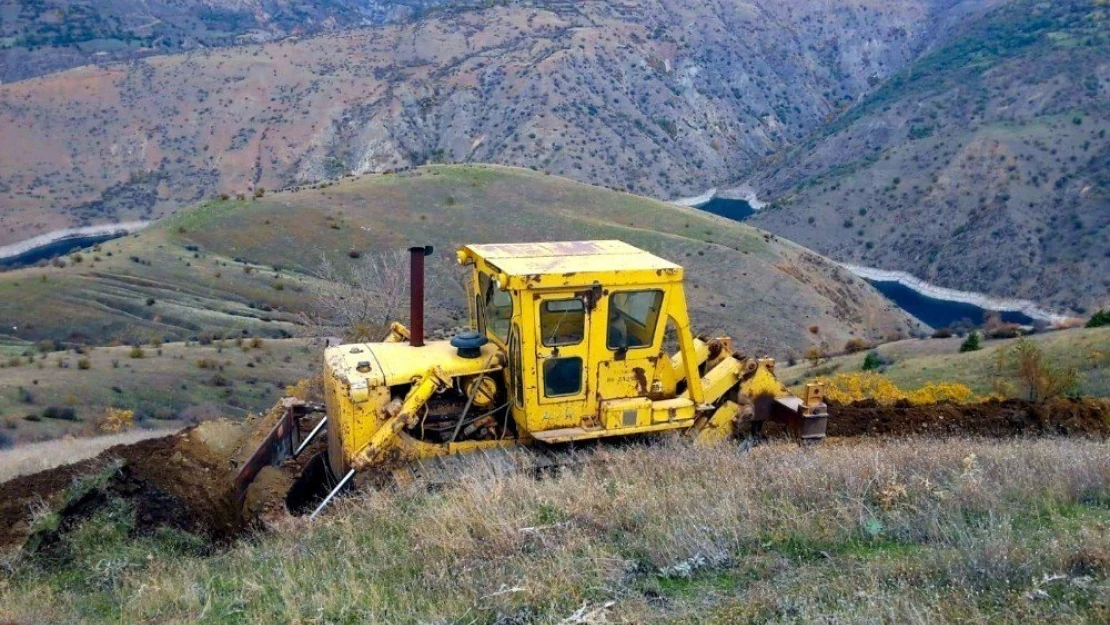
(175, 481)
(1012, 417)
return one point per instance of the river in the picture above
(61, 242)
(936, 306)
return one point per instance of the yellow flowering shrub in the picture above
(117, 420)
(850, 387)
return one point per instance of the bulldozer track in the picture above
(499, 462)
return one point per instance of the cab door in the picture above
(562, 359)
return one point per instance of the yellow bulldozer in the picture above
(570, 344)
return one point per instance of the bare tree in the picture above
(361, 301)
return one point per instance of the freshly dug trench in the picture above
(176, 481)
(994, 418)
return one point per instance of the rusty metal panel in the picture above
(277, 446)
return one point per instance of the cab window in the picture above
(562, 376)
(563, 322)
(633, 317)
(495, 308)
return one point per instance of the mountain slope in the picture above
(661, 98)
(984, 166)
(42, 36)
(229, 266)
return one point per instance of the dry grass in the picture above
(35, 457)
(918, 531)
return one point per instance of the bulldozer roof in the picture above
(572, 263)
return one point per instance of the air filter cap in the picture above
(469, 343)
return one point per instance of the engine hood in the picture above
(390, 364)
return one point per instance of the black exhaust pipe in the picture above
(416, 301)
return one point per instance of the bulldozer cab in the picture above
(583, 326)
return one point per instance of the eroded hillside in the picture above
(42, 36)
(661, 98)
(984, 166)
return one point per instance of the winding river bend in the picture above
(61, 242)
(935, 306)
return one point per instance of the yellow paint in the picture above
(575, 335)
(720, 426)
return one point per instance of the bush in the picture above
(855, 346)
(1042, 379)
(117, 420)
(873, 361)
(1100, 319)
(207, 363)
(815, 355)
(136, 352)
(971, 343)
(943, 333)
(84, 363)
(63, 413)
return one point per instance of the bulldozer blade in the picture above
(279, 444)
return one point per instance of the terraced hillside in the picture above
(249, 265)
(985, 166)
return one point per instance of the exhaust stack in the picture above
(416, 301)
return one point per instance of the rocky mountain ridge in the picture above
(659, 98)
(984, 166)
(43, 36)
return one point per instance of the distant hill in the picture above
(661, 98)
(234, 266)
(42, 36)
(983, 166)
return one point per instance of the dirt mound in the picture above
(993, 418)
(175, 481)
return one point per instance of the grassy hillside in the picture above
(982, 166)
(909, 531)
(916, 362)
(166, 386)
(244, 267)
